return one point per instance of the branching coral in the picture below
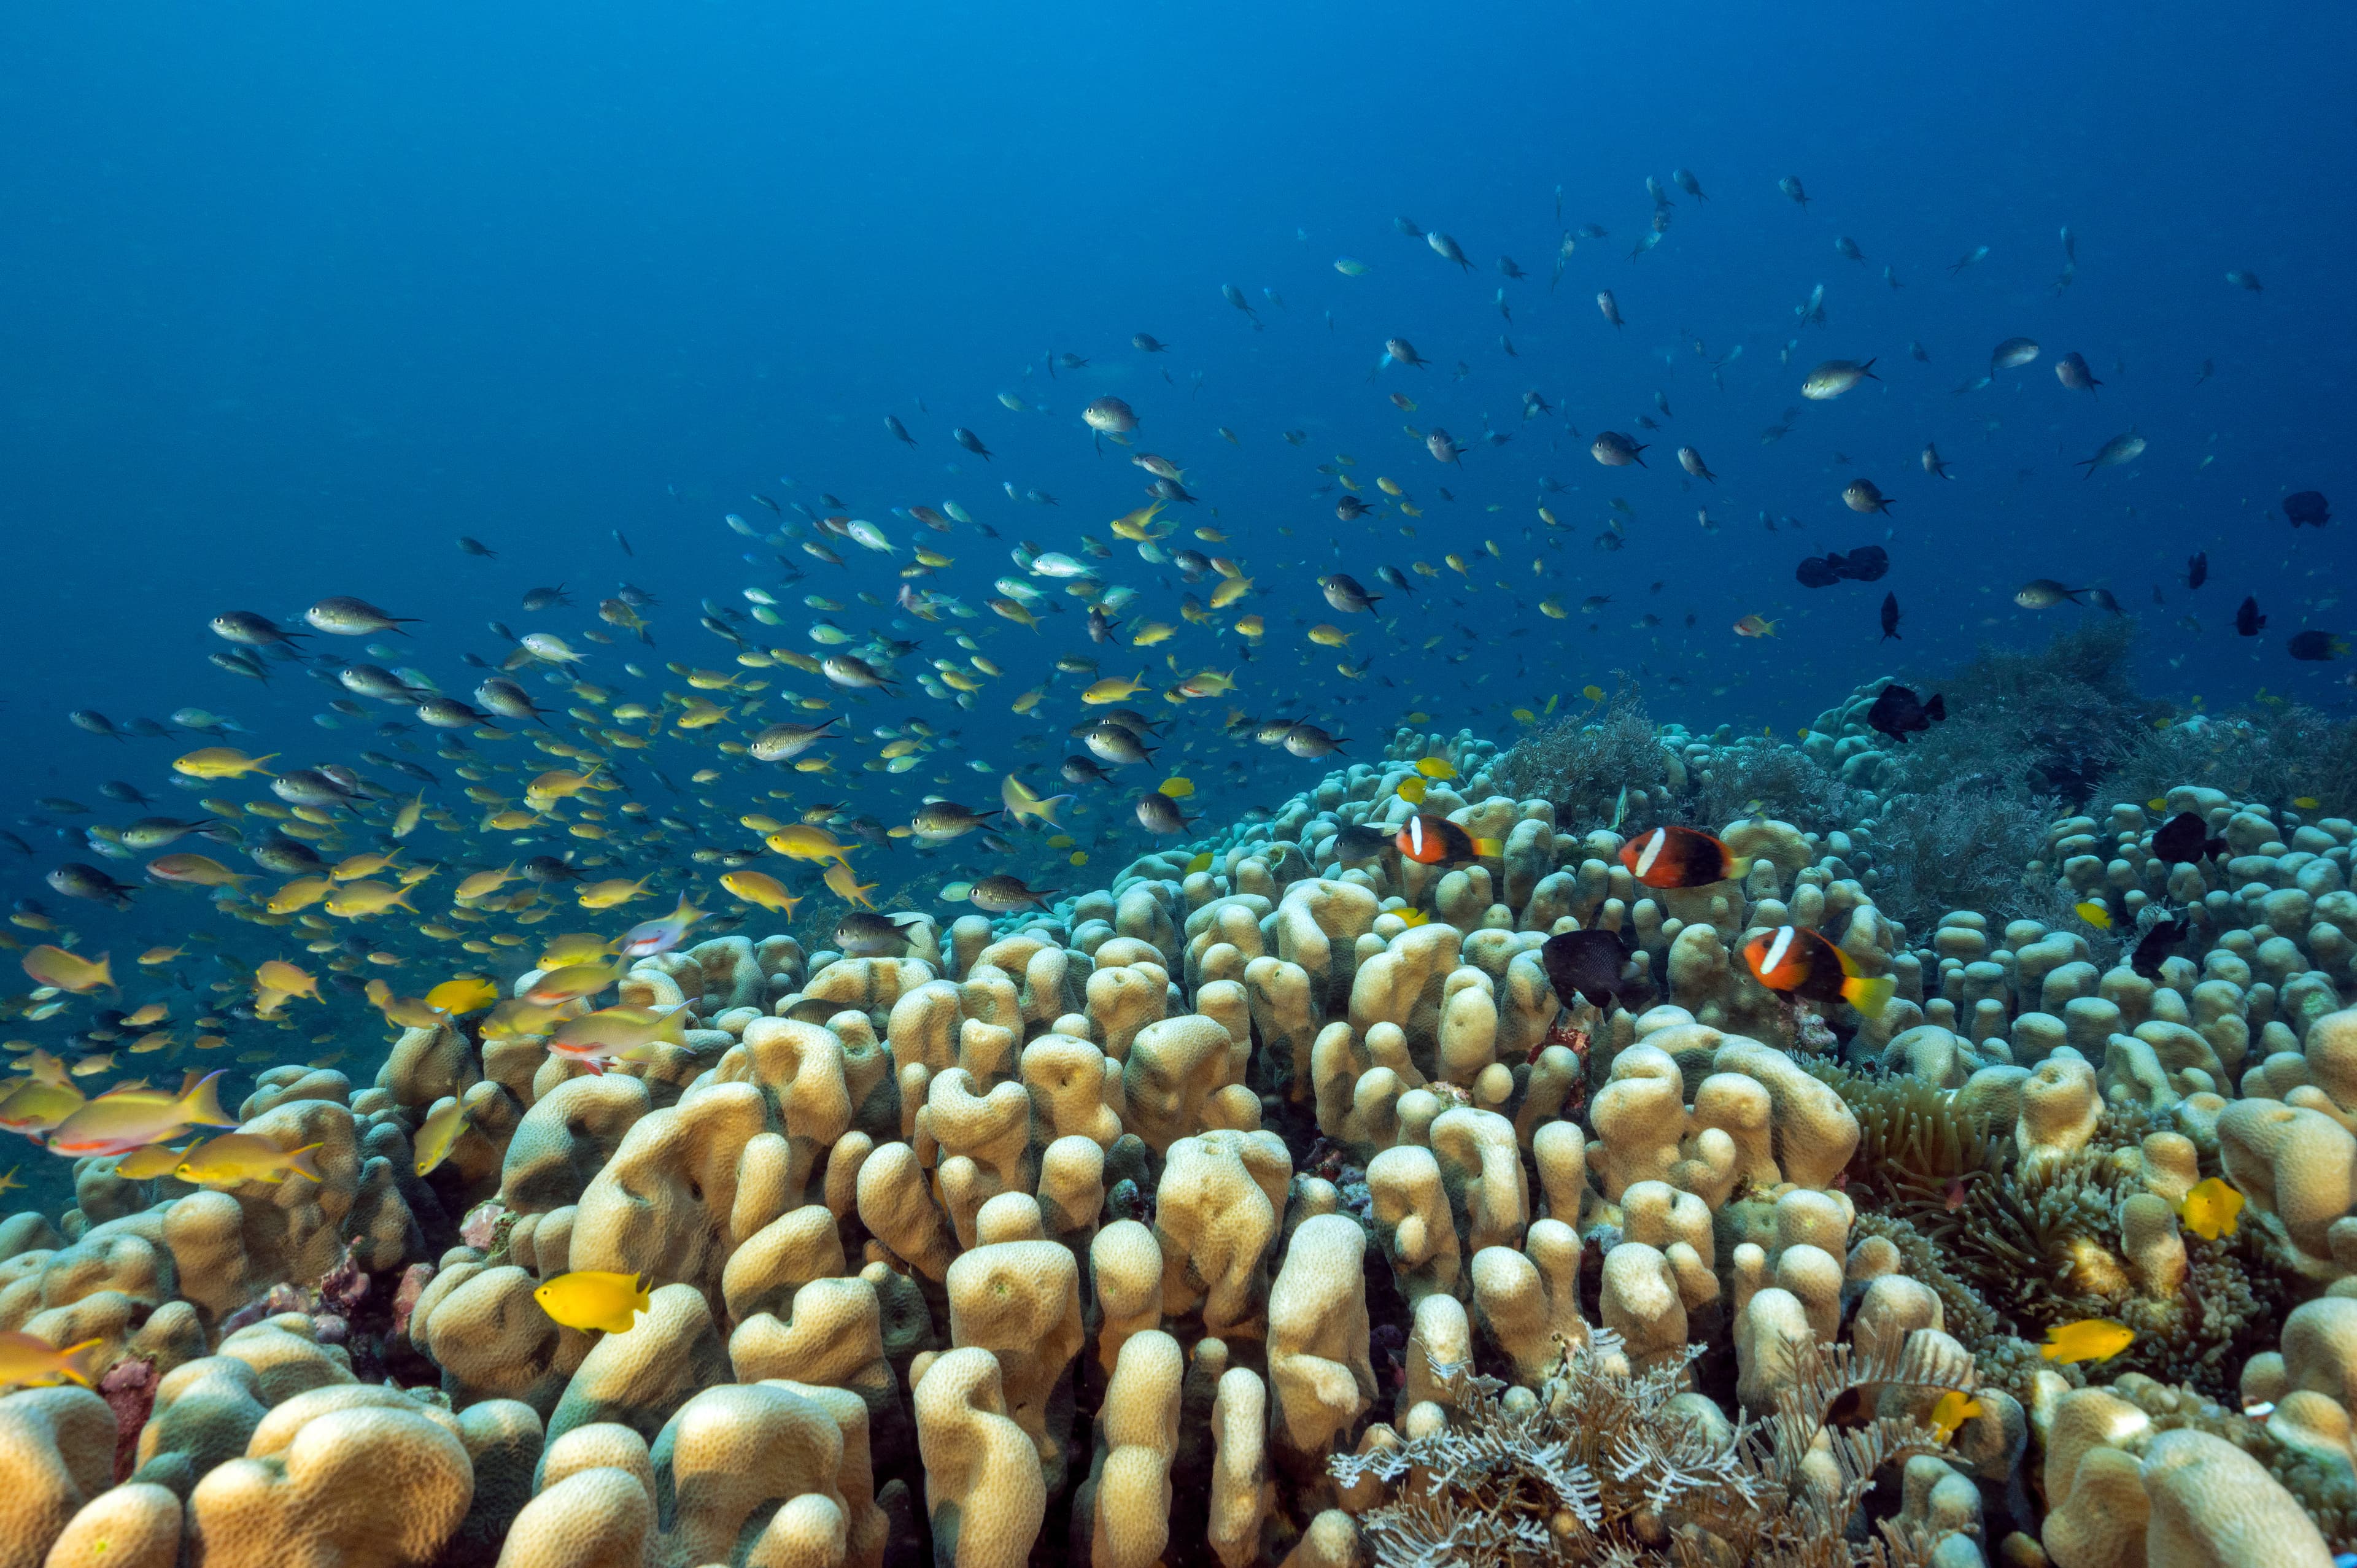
(1961, 843)
(1612, 1466)
(1580, 764)
(1756, 777)
(2037, 722)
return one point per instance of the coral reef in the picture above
(1265, 1206)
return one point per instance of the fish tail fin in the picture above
(1740, 867)
(201, 1106)
(641, 1294)
(80, 1362)
(102, 971)
(1869, 996)
(305, 1161)
(1489, 846)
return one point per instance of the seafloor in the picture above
(1278, 1212)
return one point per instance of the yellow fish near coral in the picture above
(1436, 768)
(438, 1133)
(841, 882)
(761, 887)
(2094, 914)
(468, 994)
(2089, 1340)
(149, 1161)
(29, 1361)
(404, 1012)
(2213, 1208)
(1954, 1408)
(1411, 789)
(592, 1298)
(234, 1157)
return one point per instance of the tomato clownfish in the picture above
(1437, 841)
(1794, 961)
(1681, 857)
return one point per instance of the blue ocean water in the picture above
(297, 297)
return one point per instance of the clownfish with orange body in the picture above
(1681, 857)
(1437, 841)
(1792, 961)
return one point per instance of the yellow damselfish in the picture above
(1954, 1408)
(2093, 913)
(2088, 1339)
(1436, 768)
(2213, 1208)
(1177, 789)
(593, 1298)
(468, 994)
(1412, 790)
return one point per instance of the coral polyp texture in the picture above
(1270, 1205)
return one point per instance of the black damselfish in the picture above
(1867, 563)
(1586, 963)
(1897, 713)
(2153, 949)
(2307, 508)
(2185, 838)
